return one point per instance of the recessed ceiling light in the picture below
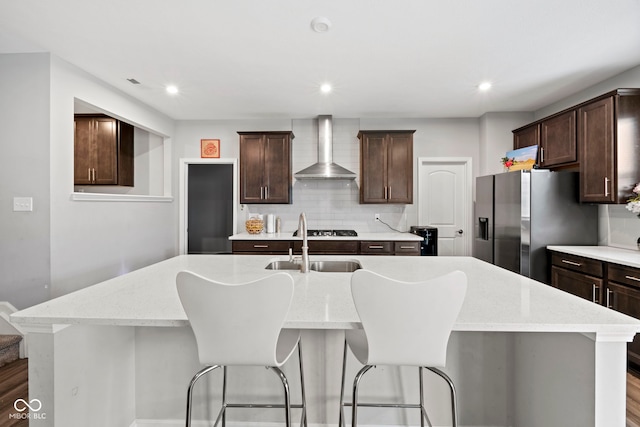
(172, 90)
(484, 86)
(325, 88)
(320, 24)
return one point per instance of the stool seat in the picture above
(403, 324)
(241, 325)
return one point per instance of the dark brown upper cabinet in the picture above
(386, 166)
(103, 151)
(526, 136)
(609, 141)
(265, 167)
(558, 140)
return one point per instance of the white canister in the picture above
(271, 223)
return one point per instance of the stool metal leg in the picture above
(287, 403)
(195, 378)
(224, 396)
(303, 421)
(423, 411)
(454, 411)
(354, 404)
(344, 367)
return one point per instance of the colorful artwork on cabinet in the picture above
(520, 159)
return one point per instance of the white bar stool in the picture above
(403, 324)
(241, 325)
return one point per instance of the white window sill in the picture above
(103, 197)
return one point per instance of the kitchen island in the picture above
(120, 353)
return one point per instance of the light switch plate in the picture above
(23, 204)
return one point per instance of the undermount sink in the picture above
(337, 266)
(283, 265)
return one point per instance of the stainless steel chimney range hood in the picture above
(324, 168)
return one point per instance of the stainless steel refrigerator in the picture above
(518, 214)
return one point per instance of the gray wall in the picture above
(64, 245)
(24, 171)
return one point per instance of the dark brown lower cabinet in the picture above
(325, 247)
(328, 247)
(617, 287)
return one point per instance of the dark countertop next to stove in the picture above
(390, 236)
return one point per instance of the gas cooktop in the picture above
(330, 233)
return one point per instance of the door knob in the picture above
(460, 232)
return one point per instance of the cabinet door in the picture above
(558, 140)
(581, 285)
(596, 142)
(84, 151)
(106, 162)
(526, 137)
(277, 167)
(626, 300)
(251, 168)
(400, 168)
(373, 168)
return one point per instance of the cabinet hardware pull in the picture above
(266, 192)
(385, 192)
(260, 246)
(609, 293)
(632, 278)
(376, 247)
(261, 193)
(594, 289)
(542, 155)
(389, 198)
(577, 264)
(407, 247)
(94, 175)
(89, 177)
(606, 186)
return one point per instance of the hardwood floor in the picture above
(633, 398)
(13, 385)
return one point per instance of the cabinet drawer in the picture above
(588, 266)
(406, 248)
(372, 248)
(261, 246)
(626, 275)
(328, 247)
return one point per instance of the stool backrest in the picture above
(408, 323)
(236, 324)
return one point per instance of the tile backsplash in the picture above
(618, 227)
(332, 204)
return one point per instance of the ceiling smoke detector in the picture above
(320, 24)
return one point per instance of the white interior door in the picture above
(445, 202)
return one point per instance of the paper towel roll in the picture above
(271, 223)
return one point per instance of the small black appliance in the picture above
(429, 244)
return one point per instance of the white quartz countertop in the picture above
(392, 236)
(603, 253)
(496, 300)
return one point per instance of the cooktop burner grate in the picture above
(330, 233)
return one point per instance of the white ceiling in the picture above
(403, 58)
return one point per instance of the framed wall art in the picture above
(210, 148)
